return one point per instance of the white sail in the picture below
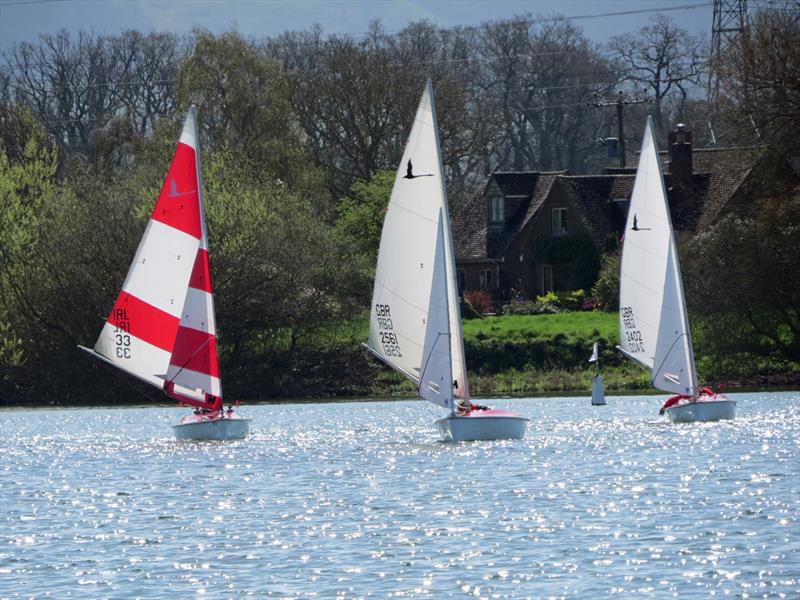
(140, 331)
(595, 354)
(407, 255)
(436, 372)
(654, 329)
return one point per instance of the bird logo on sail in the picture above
(174, 193)
(636, 226)
(410, 172)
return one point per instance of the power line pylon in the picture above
(730, 20)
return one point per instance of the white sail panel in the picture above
(407, 251)
(644, 257)
(673, 370)
(198, 311)
(161, 267)
(133, 355)
(436, 374)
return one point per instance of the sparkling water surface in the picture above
(360, 499)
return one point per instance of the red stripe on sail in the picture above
(195, 350)
(144, 321)
(201, 273)
(178, 203)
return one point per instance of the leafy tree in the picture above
(743, 274)
(606, 288)
(244, 104)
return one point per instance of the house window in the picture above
(559, 221)
(547, 278)
(497, 208)
(462, 281)
(486, 280)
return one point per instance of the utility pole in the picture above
(620, 104)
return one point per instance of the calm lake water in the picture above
(361, 500)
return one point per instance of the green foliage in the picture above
(360, 217)
(549, 303)
(244, 103)
(606, 288)
(742, 275)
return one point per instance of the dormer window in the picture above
(497, 209)
(559, 221)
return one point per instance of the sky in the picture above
(23, 20)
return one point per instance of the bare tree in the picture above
(760, 80)
(539, 76)
(666, 62)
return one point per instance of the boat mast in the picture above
(456, 333)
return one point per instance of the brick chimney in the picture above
(680, 157)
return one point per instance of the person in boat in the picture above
(464, 408)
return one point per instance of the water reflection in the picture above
(360, 499)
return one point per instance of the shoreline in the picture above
(555, 394)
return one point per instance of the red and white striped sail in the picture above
(141, 331)
(194, 365)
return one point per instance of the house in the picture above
(531, 232)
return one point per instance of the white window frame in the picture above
(559, 221)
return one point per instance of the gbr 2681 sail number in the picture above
(386, 330)
(632, 334)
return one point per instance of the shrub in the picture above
(480, 301)
(606, 290)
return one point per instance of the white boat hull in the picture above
(483, 425)
(703, 410)
(217, 426)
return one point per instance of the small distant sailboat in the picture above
(654, 324)
(162, 328)
(415, 322)
(598, 394)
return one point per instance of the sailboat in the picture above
(415, 321)
(598, 395)
(162, 328)
(654, 324)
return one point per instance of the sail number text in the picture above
(122, 337)
(633, 336)
(383, 314)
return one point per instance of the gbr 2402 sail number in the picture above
(383, 315)
(633, 336)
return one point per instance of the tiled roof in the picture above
(717, 174)
(469, 226)
(590, 195)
